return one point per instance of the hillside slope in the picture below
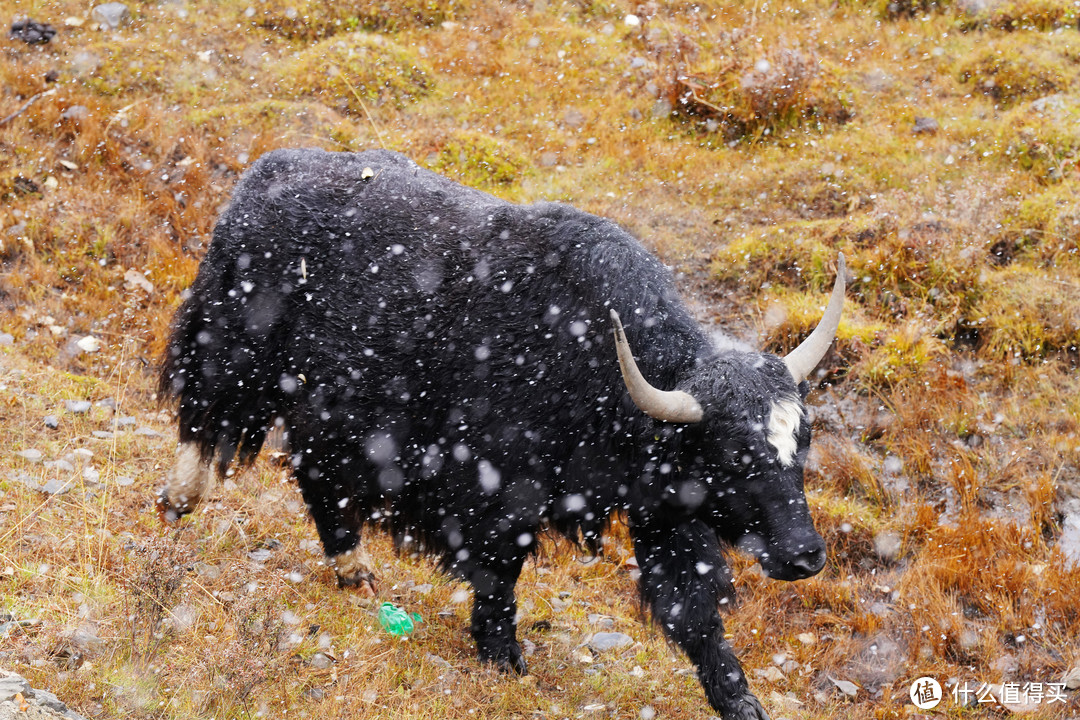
(746, 143)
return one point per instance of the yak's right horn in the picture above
(673, 406)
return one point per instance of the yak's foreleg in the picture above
(494, 617)
(683, 578)
(334, 507)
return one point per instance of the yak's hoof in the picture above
(362, 582)
(510, 661)
(168, 513)
(745, 707)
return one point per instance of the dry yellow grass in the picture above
(947, 445)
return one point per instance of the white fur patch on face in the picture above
(783, 429)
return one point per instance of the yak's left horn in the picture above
(668, 405)
(802, 360)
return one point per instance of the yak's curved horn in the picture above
(802, 360)
(669, 405)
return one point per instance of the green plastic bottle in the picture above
(396, 621)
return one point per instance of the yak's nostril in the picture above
(810, 561)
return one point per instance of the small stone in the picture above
(771, 673)
(102, 434)
(60, 465)
(111, 15)
(31, 32)
(607, 641)
(7, 339)
(848, 688)
(261, 555)
(806, 638)
(422, 589)
(925, 125)
(124, 480)
(135, 279)
(147, 432)
(72, 21)
(11, 685)
(76, 113)
(321, 661)
(30, 455)
(54, 486)
(51, 422)
(78, 407)
(438, 661)
(89, 343)
(46, 699)
(603, 621)
(1072, 678)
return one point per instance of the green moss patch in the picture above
(302, 123)
(1021, 66)
(1044, 135)
(1030, 314)
(348, 71)
(313, 20)
(477, 159)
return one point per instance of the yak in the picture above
(460, 370)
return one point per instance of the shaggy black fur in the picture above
(443, 362)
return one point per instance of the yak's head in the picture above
(743, 442)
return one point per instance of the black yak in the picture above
(452, 367)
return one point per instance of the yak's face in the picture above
(739, 435)
(742, 464)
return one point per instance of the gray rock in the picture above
(111, 15)
(6, 339)
(30, 455)
(60, 465)
(11, 685)
(603, 621)
(47, 699)
(102, 434)
(925, 125)
(438, 661)
(79, 407)
(124, 480)
(54, 486)
(321, 661)
(607, 641)
(147, 432)
(1069, 543)
(76, 112)
(978, 7)
(52, 422)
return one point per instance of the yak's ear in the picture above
(673, 406)
(802, 360)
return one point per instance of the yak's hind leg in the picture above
(338, 517)
(683, 577)
(189, 479)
